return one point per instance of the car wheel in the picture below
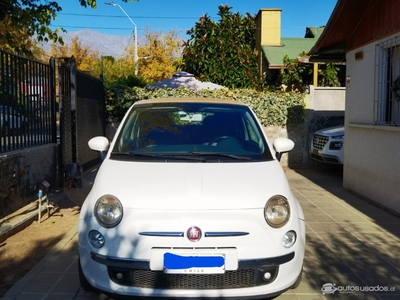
(298, 280)
(82, 279)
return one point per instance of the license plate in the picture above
(179, 264)
(314, 152)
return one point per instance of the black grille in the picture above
(319, 141)
(241, 278)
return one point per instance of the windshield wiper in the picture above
(198, 156)
(159, 156)
(238, 157)
(133, 153)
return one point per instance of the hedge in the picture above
(272, 108)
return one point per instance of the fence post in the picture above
(73, 107)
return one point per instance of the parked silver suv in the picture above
(327, 145)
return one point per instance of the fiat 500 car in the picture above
(191, 201)
(327, 145)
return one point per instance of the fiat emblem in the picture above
(194, 234)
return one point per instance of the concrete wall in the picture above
(323, 103)
(372, 152)
(372, 163)
(21, 174)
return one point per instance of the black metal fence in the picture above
(50, 104)
(81, 113)
(27, 108)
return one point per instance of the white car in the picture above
(327, 145)
(191, 201)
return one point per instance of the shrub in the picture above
(272, 108)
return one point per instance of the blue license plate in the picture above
(174, 263)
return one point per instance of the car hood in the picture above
(332, 131)
(152, 185)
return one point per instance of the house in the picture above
(367, 34)
(272, 47)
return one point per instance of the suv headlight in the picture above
(277, 211)
(338, 137)
(108, 211)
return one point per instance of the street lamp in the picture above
(135, 58)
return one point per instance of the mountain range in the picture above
(106, 44)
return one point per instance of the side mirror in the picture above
(282, 145)
(99, 143)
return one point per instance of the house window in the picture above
(387, 67)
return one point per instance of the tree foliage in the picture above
(223, 52)
(85, 57)
(158, 55)
(32, 18)
(296, 72)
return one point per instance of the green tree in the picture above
(328, 75)
(295, 72)
(223, 52)
(34, 18)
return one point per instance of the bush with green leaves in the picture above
(272, 108)
(223, 52)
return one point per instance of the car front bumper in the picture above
(256, 265)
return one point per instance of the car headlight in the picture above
(277, 211)
(338, 137)
(108, 211)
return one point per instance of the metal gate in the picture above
(81, 114)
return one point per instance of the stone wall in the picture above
(299, 155)
(21, 175)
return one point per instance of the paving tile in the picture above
(337, 210)
(326, 227)
(382, 238)
(286, 296)
(363, 226)
(372, 265)
(392, 258)
(43, 282)
(326, 200)
(60, 263)
(27, 296)
(68, 285)
(321, 249)
(326, 265)
(319, 218)
(349, 218)
(353, 296)
(338, 279)
(310, 296)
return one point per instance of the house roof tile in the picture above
(291, 47)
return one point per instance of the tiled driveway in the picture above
(352, 245)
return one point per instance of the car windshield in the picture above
(196, 132)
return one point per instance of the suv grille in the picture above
(319, 141)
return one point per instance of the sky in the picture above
(182, 15)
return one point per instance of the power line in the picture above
(133, 17)
(94, 27)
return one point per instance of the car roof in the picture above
(189, 100)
